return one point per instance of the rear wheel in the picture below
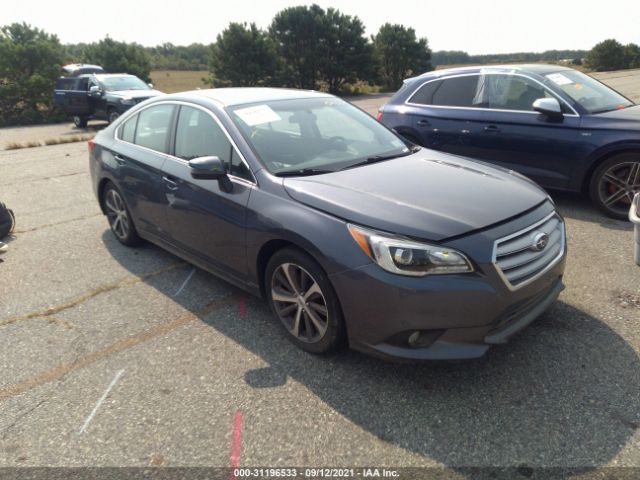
(614, 183)
(119, 217)
(301, 296)
(80, 121)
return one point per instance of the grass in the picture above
(172, 81)
(48, 141)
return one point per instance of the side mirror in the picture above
(207, 168)
(548, 106)
(95, 90)
(150, 85)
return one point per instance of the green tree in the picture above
(299, 33)
(400, 54)
(347, 55)
(243, 56)
(119, 57)
(632, 55)
(607, 55)
(30, 61)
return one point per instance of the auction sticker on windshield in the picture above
(559, 79)
(257, 115)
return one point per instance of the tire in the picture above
(317, 331)
(80, 121)
(411, 138)
(614, 183)
(118, 215)
(112, 116)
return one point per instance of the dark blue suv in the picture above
(558, 126)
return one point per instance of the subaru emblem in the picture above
(539, 241)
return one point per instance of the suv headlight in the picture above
(127, 101)
(406, 257)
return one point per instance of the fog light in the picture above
(414, 337)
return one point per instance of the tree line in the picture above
(303, 47)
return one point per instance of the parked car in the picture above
(100, 96)
(558, 126)
(347, 230)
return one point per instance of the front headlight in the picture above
(406, 257)
(127, 101)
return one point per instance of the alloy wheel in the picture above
(117, 214)
(299, 302)
(618, 185)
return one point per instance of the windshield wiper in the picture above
(381, 158)
(302, 172)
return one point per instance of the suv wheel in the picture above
(614, 184)
(80, 122)
(119, 217)
(112, 116)
(301, 296)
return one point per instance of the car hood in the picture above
(625, 118)
(427, 195)
(135, 93)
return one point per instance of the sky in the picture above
(475, 26)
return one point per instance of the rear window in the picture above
(456, 92)
(128, 130)
(153, 128)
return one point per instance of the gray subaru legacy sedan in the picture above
(351, 234)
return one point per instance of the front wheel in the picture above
(119, 217)
(301, 296)
(112, 116)
(614, 183)
(80, 121)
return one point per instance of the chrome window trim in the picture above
(181, 160)
(549, 266)
(555, 95)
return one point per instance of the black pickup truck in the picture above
(101, 96)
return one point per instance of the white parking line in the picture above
(184, 284)
(102, 399)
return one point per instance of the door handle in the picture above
(171, 185)
(491, 129)
(119, 159)
(423, 122)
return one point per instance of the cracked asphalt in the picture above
(76, 308)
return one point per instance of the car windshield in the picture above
(592, 95)
(314, 135)
(125, 82)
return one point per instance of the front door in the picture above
(511, 134)
(207, 217)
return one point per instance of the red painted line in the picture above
(242, 306)
(236, 443)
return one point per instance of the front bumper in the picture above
(455, 316)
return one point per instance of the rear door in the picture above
(444, 113)
(139, 155)
(207, 217)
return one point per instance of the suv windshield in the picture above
(314, 135)
(592, 95)
(125, 82)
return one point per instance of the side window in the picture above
(128, 130)
(199, 135)
(456, 92)
(153, 128)
(424, 95)
(83, 84)
(510, 92)
(65, 84)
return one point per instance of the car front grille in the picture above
(520, 258)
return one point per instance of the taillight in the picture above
(91, 145)
(379, 116)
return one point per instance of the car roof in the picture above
(536, 68)
(239, 96)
